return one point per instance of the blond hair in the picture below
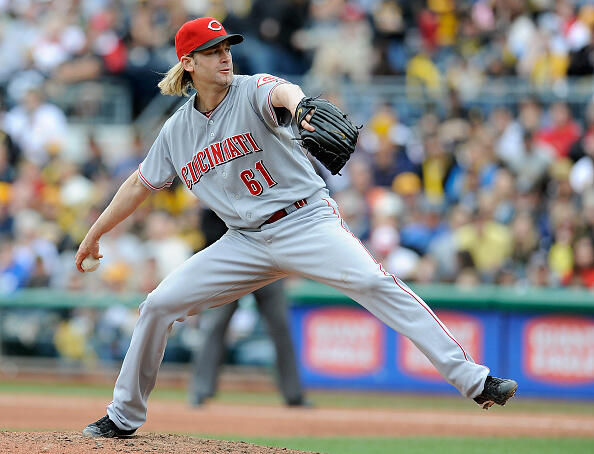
(177, 81)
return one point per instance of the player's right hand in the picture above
(89, 246)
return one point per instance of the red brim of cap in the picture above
(233, 39)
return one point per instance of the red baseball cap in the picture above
(200, 34)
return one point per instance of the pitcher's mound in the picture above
(143, 443)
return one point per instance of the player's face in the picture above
(214, 65)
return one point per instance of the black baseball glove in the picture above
(335, 137)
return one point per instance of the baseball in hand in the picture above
(89, 264)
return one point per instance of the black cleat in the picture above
(105, 428)
(299, 402)
(197, 401)
(496, 391)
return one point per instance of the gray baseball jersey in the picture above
(240, 160)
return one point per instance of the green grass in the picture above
(322, 399)
(346, 399)
(431, 445)
(53, 389)
(390, 400)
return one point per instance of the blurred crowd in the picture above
(461, 194)
(435, 44)
(502, 197)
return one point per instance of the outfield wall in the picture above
(542, 338)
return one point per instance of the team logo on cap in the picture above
(215, 25)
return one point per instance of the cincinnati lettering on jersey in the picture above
(216, 154)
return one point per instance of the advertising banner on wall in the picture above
(476, 332)
(343, 342)
(343, 346)
(552, 354)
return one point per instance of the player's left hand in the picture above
(333, 138)
(305, 123)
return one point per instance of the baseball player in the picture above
(232, 145)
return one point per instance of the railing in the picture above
(410, 102)
(506, 299)
(108, 101)
(306, 292)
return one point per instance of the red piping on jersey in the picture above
(270, 102)
(394, 278)
(145, 181)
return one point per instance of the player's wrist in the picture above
(93, 235)
(288, 96)
(293, 109)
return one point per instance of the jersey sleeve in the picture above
(157, 170)
(260, 88)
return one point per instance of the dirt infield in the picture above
(66, 414)
(74, 443)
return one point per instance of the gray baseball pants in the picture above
(313, 242)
